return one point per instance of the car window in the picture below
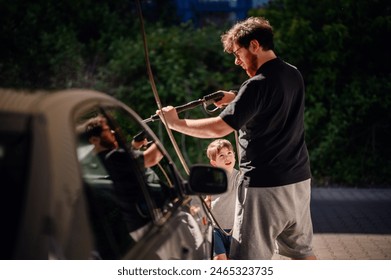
(124, 195)
(15, 139)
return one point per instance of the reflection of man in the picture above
(122, 169)
(103, 138)
(140, 144)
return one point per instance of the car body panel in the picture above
(55, 222)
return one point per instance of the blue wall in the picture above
(194, 9)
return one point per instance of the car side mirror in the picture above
(206, 179)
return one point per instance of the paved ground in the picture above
(351, 224)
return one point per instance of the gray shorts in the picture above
(271, 219)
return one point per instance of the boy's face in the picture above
(225, 158)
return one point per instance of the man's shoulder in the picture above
(256, 79)
(117, 155)
(253, 83)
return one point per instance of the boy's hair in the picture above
(215, 147)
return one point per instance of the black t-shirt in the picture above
(269, 114)
(127, 179)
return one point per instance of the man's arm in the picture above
(152, 156)
(213, 127)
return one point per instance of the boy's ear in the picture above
(213, 163)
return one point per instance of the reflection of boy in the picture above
(221, 154)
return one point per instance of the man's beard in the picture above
(108, 144)
(252, 67)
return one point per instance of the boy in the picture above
(221, 154)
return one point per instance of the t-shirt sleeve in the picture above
(244, 106)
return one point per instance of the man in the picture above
(103, 138)
(268, 111)
(122, 167)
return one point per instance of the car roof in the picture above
(12, 101)
(15, 101)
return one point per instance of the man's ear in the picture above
(254, 45)
(213, 163)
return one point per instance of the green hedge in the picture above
(339, 46)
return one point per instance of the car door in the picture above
(146, 216)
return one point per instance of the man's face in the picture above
(246, 59)
(107, 138)
(225, 158)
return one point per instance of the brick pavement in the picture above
(351, 223)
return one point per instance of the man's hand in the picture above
(170, 115)
(228, 97)
(137, 145)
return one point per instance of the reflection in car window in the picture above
(124, 194)
(15, 139)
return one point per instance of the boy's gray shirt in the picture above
(223, 205)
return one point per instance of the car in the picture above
(60, 202)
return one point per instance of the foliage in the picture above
(186, 63)
(57, 44)
(338, 45)
(99, 45)
(339, 48)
